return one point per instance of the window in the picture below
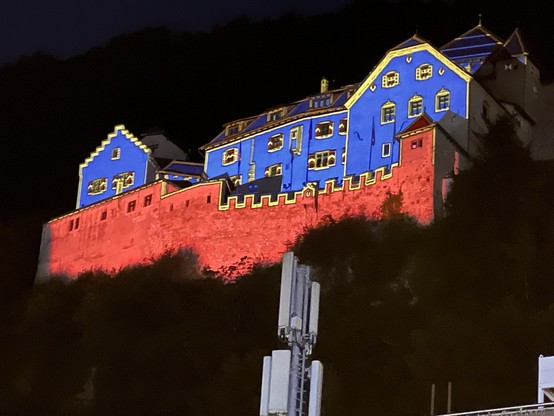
(276, 114)
(415, 106)
(442, 100)
(323, 129)
(275, 142)
(103, 215)
(147, 200)
(322, 160)
(343, 125)
(416, 144)
(343, 158)
(274, 170)
(235, 127)
(131, 206)
(123, 180)
(209, 199)
(390, 79)
(116, 153)
(388, 112)
(296, 140)
(236, 179)
(74, 224)
(423, 72)
(385, 150)
(97, 186)
(230, 156)
(321, 101)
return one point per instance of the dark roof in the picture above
(476, 42)
(414, 40)
(184, 168)
(515, 44)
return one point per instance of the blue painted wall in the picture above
(365, 114)
(364, 124)
(132, 159)
(294, 166)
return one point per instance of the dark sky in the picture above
(69, 27)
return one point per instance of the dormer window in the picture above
(343, 124)
(415, 106)
(423, 72)
(235, 128)
(230, 156)
(321, 101)
(276, 114)
(324, 129)
(390, 79)
(116, 153)
(275, 142)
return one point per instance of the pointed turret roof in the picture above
(515, 45)
(414, 40)
(475, 43)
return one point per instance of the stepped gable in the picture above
(474, 45)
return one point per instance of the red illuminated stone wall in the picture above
(114, 234)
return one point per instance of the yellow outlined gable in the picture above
(370, 79)
(118, 128)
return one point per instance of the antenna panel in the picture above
(279, 382)
(266, 375)
(314, 309)
(316, 386)
(287, 275)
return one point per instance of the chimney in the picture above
(324, 85)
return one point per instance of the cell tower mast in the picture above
(291, 382)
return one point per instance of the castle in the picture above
(403, 132)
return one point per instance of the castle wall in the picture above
(228, 237)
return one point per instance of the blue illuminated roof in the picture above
(292, 111)
(475, 43)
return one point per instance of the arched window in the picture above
(415, 106)
(442, 100)
(388, 112)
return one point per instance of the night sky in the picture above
(68, 27)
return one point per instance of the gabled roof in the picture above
(294, 111)
(475, 43)
(414, 40)
(515, 44)
(422, 122)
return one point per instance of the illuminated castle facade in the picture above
(397, 137)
